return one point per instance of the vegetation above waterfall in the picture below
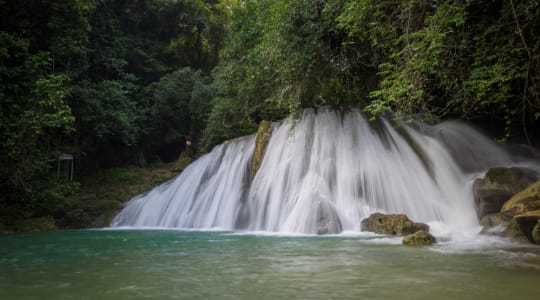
(421, 59)
(119, 83)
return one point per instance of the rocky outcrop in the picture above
(419, 238)
(524, 201)
(396, 224)
(519, 216)
(499, 185)
(263, 136)
(529, 223)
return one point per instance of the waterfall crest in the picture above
(324, 175)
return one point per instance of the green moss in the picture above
(263, 137)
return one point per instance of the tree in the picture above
(177, 107)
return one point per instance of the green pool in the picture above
(106, 264)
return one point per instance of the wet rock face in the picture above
(327, 219)
(524, 201)
(536, 232)
(519, 216)
(530, 225)
(498, 186)
(395, 224)
(493, 220)
(419, 238)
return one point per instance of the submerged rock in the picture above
(498, 186)
(529, 224)
(395, 224)
(419, 238)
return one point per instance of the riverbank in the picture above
(94, 199)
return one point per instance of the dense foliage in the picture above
(119, 82)
(422, 58)
(112, 82)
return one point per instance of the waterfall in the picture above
(324, 174)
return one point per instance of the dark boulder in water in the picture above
(530, 225)
(393, 224)
(498, 186)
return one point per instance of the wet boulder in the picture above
(523, 202)
(536, 232)
(392, 224)
(498, 186)
(529, 224)
(419, 238)
(524, 211)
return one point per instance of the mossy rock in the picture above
(263, 137)
(498, 186)
(419, 238)
(392, 224)
(524, 201)
(529, 223)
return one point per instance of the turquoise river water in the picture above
(138, 264)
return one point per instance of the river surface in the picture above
(154, 264)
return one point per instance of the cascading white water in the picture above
(324, 175)
(209, 193)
